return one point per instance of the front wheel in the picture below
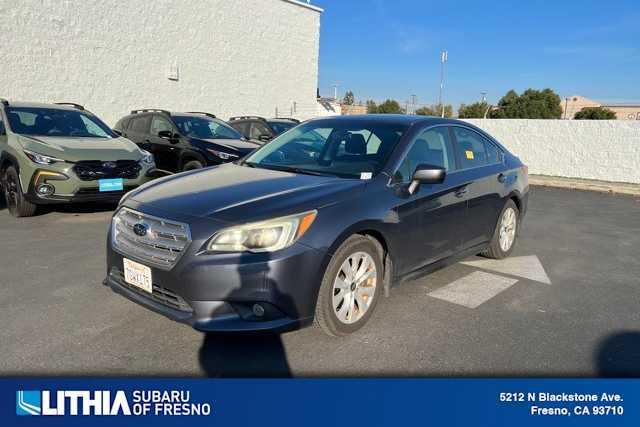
(506, 232)
(17, 204)
(350, 288)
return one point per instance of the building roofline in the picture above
(632, 104)
(305, 5)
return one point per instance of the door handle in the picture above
(502, 178)
(461, 192)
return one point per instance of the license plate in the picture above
(138, 275)
(115, 184)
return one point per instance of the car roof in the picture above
(398, 119)
(42, 105)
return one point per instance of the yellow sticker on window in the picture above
(469, 154)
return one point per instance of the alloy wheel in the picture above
(354, 287)
(508, 226)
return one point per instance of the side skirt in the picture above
(445, 262)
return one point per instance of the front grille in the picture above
(91, 170)
(162, 295)
(162, 244)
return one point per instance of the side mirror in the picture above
(264, 137)
(426, 174)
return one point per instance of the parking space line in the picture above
(473, 289)
(527, 267)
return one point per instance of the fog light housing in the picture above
(45, 189)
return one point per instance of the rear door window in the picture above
(472, 146)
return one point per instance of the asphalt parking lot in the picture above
(566, 304)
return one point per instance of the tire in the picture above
(192, 165)
(496, 250)
(338, 320)
(14, 197)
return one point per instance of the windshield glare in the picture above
(57, 122)
(201, 128)
(331, 147)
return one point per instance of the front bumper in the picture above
(216, 293)
(70, 189)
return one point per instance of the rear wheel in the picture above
(192, 165)
(16, 203)
(350, 288)
(506, 232)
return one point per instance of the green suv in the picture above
(59, 153)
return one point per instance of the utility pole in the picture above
(443, 58)
(414, 102)
(335, 90)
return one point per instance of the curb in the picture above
(585, 184)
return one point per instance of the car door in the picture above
(165, 150)
(431, 219)
(483, 167)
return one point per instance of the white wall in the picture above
(234, 56)
(607, 150)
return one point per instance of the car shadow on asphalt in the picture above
(618, 355)
(244, 355)
(259, 354)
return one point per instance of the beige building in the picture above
(350, 110)
(572, 104)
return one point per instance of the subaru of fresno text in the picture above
(299, 230)
(184, 141)
(57, 153)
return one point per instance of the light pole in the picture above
(443, 59)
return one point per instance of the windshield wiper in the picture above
(288, 169)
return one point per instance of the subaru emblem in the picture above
(109, 165)
(140, 229)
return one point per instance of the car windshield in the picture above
(57, 122)
(281, 127)
(204, 128)
(349, 149)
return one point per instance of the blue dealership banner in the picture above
(319, 402)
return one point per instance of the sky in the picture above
(391, 49)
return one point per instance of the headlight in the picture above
(222, 154)
(147, 157)
(41, 159)
(265, 236)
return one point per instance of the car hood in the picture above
(233, 193)
(75, 149)
(232, 145)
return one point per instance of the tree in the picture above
(477, 110)
(595, 113)
(435, 110)
(372, 108)
(390, 106)
(448, 110)
(426, 111)
(348, 98)
(532, 104)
